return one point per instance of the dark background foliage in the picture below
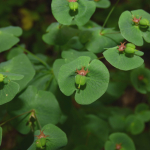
(34, 16)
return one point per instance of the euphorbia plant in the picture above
(66, 97)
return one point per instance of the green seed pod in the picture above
(144, 23)
(130, 45)
(73, 5)
(40, 143)
(43, 141)
(1, 77)
(129, 50)
(81, 80)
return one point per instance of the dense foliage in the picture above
(67, 85)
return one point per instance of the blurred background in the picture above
(34, 16)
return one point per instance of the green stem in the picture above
(111, 33)
(100, 57)
(15, 117)
(40, 60)
(38, 121)
(48, 83)
(109, 15)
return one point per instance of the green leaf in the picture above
(73, 43)
(97, 126)
(102, 3)
(41, 80)
(56, 138)
(143, 85)
(0, 136)
(141, 107)
(117, 122)
(71, 54)
(133, 33)
(119, 138)
(139, 53)
(43, 103)
(8, 91)
(12, 76)
(134, 124)
(19, 65)
(142, 112)
(14, 52)
(65, 16)
(145, 32)
(119, 80)
(59, 34)
(105, 39)
(90, 130)
(97, 80)
(57, 65)
(8, 37)
(121, 61)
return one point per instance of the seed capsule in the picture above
(73, 5)
(129, 50)
(81, 80)
(130, 45)
(40, 143)
(1, 78)
(144, 23)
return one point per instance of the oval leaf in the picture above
(104, 39)
(43, 103)
(140, 79)
(56, 138)
(134, 124)
(97, 79)
(58, 34)
(8, 91)
(65, 16)
(121, 61)
(131, 32)
(19, 65)
(121, 139)
(8, 37)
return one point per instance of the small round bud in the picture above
(144, 23)
(130, 45)
(1, 78)
(129, 50)
(73, 5)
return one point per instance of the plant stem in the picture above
(48, 83)
(100, 57)
(40, 60)
(15, 117)
(112, 33)
(109, 15)
(38, 121)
